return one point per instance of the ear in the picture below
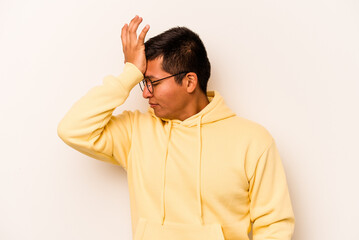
(191, 82)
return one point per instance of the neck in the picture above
(194, 106)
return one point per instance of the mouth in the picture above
(153, 105)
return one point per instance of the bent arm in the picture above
(270, 207)
(89, 125)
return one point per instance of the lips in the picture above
(152, 105)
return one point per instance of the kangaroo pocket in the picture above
(147, 230)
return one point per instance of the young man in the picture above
(195, 170)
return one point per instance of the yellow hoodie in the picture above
(204, 178)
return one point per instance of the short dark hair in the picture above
(182, 51)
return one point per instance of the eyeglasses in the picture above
(146, 82)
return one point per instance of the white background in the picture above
(291, 66)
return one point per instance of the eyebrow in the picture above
(150, 77)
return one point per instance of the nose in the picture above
(146, 93)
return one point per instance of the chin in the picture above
(158, 114)
(162, 115)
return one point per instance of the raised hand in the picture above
(133, 47)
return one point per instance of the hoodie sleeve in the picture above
(89, 126)
(270, 205)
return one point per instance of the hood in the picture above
(216, 110)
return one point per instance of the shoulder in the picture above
(249, 130)
(137, 119)
(135, 115)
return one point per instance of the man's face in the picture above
(168, 99)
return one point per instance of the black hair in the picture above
(182, 51)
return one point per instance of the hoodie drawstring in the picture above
(164, 174)
(199, 178)
(200, 169)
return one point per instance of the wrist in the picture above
(130, 76)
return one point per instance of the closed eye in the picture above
(147, 79)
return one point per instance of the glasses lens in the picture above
(143, 84)
(149, 86)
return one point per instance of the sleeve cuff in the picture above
(130, 76)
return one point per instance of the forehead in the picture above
(154, 68)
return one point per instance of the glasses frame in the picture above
(149, 82)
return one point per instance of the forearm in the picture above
(85, 122)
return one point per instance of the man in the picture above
(195, 170)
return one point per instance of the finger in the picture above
(124, 34)
(133, 29)
(141, 37)
(130, 27)
(133, 23)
